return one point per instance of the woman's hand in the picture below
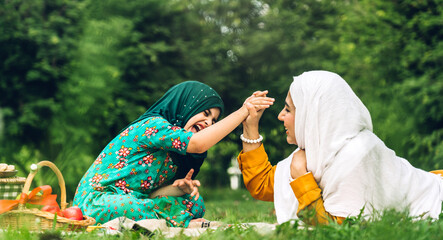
(255, 111)
(256, 105)
(187, 185)
(260, 100)
(298, 164)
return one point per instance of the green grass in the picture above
(236, 207)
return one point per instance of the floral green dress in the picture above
(133, 165)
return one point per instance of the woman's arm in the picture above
(311, 209)
(251, 124)
(258, 174)
(201, 141)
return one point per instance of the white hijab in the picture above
(352, 166)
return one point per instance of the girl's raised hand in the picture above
(259, 100)
(187, 185)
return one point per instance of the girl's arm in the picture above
(201, 141)
(180, 187)
(168, 190)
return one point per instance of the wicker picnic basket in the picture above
(11, 187)
(36, 220)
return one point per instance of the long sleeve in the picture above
(258, 173)
(311, 209)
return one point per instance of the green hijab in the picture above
(179, 104)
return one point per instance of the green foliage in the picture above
(36, 39)
(392, 64)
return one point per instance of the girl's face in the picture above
(287, 116)
(202, 120)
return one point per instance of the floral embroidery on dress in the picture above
(147, 160)
(123, 152)
(99, 158)
(123, 185)
(174, 128)
(150, 131)
(125, 133)
(120, 165)
(147, 184)
(176, 143)
(95, 181)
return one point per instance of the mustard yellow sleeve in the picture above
(438, 172)
(311, 209)
(258, 173)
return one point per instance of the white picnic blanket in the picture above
(194, 229)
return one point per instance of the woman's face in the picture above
(287, 116)
(202, 120)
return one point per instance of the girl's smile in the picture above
(197, 127)
(202, 120)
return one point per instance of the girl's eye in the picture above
(206, 113)
(287, 110)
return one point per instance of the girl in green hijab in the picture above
(147, 170)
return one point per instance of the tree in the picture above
(35, 42)
(392, 51)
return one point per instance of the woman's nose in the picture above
(280, 116)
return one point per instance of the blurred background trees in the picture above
(73, 73)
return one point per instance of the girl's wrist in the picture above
(244, 111)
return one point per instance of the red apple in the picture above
(74, 213)
(52, 209)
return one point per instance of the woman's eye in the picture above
(206, 113)
(287, 110)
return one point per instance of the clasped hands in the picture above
(298, 164)
(255, 105)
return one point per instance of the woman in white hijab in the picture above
(340, 168)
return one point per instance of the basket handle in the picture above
(57, 172)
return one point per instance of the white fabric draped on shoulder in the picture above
(285, 202)
(353, 167)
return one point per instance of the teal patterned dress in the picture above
(133, 165)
